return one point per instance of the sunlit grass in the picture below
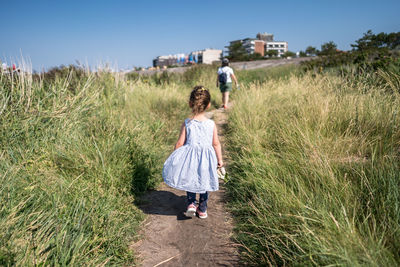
(315, 172)
(74, 152)
(313, 175)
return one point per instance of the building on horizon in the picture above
(251, 45)
(205, 56)
(266, 37)
(280, 46)
(208, 56)
(262, 44)
(162, 61)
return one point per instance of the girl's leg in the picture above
(191, 198)
(223, 98)
(191, 208)
(203, 202)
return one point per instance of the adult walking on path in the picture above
(224, 81)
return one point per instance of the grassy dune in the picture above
(315, 175)
(74, 152)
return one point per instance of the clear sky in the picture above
(131, 33)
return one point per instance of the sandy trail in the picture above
(172, 239)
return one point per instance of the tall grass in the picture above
(263, 75)
(206, 75)
(74, 152)
(315, 175)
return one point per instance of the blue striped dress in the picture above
(193, 166)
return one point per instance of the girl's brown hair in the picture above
(199, 99)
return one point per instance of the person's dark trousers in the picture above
(191, 199)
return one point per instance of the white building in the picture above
(250, 45)
(281, 47)
(262, 44)
(207, 56)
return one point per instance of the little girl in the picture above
(193, 164)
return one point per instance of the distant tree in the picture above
(328, 48)
(370, 53)
(311, 51)
(302, 54)
(237, 52)
(367, 42)
(371, 41)
(272, 53)
(288, 54)
(393, 40)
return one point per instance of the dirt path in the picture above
(172, 239)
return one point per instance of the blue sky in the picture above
(132, 33)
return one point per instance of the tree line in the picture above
(370, 43)
(370, 52)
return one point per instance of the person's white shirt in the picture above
(228, 71)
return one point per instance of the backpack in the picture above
(222, 78)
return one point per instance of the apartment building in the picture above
(205, 56)
(164, 61)
(266, 37)
(259, 47)
(280, 46)
(251, 45)
(262, 44)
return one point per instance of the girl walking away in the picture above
(224, 81)
(192, 166)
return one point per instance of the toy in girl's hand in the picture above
(221, 173)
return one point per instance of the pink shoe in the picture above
(191, 211)
(202, 215)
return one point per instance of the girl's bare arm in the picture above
(217, 147)
(182, 137)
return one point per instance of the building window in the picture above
(282, 45)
